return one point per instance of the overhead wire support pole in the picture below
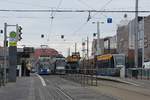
(98, 39)
(87, 47)
(136, 34)
(6, 59)
(5, 51)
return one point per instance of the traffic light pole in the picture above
(136, 34)
(11, 58)
(5, 52)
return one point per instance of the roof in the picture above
(45, 52)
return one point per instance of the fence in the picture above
(1, 75)
(138, 73)
(109, 72)
(83, 76)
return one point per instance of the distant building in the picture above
(94, 46)
(107, 45)
(126, 40)
(2, 56)
(110, 45)
(45, 52)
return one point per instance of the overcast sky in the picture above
(73, 26)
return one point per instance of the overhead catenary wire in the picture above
(102, 8)
(68, 10)
(52, 18)
(82, 26)
(85, 4)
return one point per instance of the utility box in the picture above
(122, 71)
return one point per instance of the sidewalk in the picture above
(135, 82)
(21, 90)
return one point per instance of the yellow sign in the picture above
(12, 43)
(104, 57)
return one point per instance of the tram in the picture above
(43, 65)
(60, 65)
(73, 63)
(110, 64)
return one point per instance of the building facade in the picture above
(126, 40)
(107, 45)
(94, 46)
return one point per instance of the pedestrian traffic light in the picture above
(19, 33)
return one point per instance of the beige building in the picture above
(107, 45)
(110, 45)
(94, 46)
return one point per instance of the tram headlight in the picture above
(48, 70)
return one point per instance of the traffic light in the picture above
(1, 31)
(6, 43)
(62, 36)
(94, 34)
(42, 35)
(19, 33)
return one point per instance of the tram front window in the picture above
(120, 60)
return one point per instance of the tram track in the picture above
(69, 90)
(57, 92)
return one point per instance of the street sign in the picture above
(12, 43)
(12, 38)
(12, 34)
(109, 20)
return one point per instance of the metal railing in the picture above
(138, 73)
(2, 81)
(86, 77)
(109, 72)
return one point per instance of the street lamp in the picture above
(98, 36)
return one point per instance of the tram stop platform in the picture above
(130, 81)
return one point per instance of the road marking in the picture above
(134, 84)
(64, 93)
(59, 89)
(42, 80)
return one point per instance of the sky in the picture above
(73, 26)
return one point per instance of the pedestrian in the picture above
(2, 76)
(28, 68)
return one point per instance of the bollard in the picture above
(148, 74)
(0, 76)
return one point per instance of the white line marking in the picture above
(133, 84)
(42, 80)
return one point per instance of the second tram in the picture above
(110, 64)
